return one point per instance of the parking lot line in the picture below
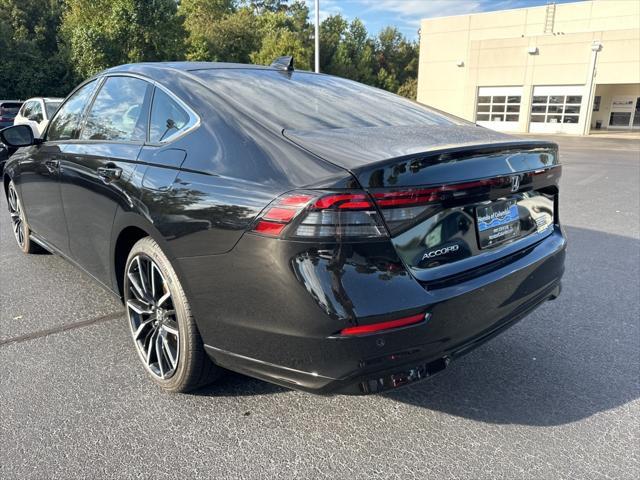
(61, 328)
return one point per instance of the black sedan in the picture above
(300, 228)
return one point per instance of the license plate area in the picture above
(497, 222)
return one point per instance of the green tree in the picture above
(388, 61)
(396, 58)
(32, 62)
(409, 89)
(285, 32)
(234, 37)
(104, 33)
(332, 31)
(47, 46)
(355, 54)
(201, 19)
(273, 6)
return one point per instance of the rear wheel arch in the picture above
(125, 241)
(128, 228)
(6, 181)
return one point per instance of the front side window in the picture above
(35, 111)
(66, 123)
(118, 112)
(26, 109)
(168, 118)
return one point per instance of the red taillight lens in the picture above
(269, 228)
(325, 216)
(280, 214)
(344, 201)
(403, 208)
(382, 326)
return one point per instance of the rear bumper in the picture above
(291, 346)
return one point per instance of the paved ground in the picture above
(557, 396)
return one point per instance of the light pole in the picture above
(591, 88)
(317, 36)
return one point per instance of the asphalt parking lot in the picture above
(556, 396)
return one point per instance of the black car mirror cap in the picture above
(18, 136)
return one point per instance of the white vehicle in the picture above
(36, 113)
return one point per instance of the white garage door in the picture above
(498, 108)
(557, 109)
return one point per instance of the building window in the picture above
(556, 108)
(596, 103)
(498, 108)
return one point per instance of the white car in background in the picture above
(36, 112)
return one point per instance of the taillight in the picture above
(403, 208)
(316, 215)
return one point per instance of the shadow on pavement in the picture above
(571, 359)
(236, 385)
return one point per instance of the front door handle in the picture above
(109, 173)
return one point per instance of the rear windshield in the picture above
(305, 101)
(9, 109)
(51, 107)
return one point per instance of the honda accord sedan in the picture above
(300, 228)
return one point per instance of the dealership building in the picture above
(559, 68)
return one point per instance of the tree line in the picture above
(49, 46)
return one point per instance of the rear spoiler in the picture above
(459, 163)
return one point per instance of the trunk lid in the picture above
(454, 198)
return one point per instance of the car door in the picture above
(40, 172)
(21, 116)
(96, 167)
(36, 119)
(32, 114)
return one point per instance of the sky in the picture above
(406, 14)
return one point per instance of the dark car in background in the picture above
(300, 228)
(8, 111)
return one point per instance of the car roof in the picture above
(149, 68)
(186, 66)
(46, 99)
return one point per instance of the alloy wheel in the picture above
(152, 317)
(17, 219)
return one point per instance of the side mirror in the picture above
(17, 136)
(36, 118)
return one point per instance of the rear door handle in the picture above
(109, 173)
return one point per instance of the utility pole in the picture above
(317, 36)
(591, 88)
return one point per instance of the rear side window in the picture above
(118, 112)
(51, 108)
(8, 109)
(65, 124)
(168, 118)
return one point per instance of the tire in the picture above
(19, 225)
(163, 329)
